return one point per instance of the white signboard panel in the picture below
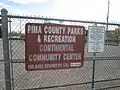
(96, 38)
(95, 47)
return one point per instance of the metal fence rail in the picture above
(107, 64)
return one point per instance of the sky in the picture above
(90, 10)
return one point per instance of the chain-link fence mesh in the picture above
(107, 65)
(1, 49)
(37, 79)
(2, 76)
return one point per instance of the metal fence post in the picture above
(93, 72)
(6, 48)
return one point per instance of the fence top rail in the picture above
(62, 20)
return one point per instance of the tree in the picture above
(117, 34)
(114, 35)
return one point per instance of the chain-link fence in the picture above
(107, 64)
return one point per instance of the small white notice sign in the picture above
(96, 38)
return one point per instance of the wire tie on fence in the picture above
(9, 21)
(6, 61)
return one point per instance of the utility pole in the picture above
(108, 14)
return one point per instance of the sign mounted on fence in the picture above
(53, 46)
(96, 38)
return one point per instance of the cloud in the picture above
(95, 10)
(81, 9)
(27, 1)
(10, 9)
(87, 9)
(17, 11)
(2, 5)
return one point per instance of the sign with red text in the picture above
(53, 46)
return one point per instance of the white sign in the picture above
(96, 38)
